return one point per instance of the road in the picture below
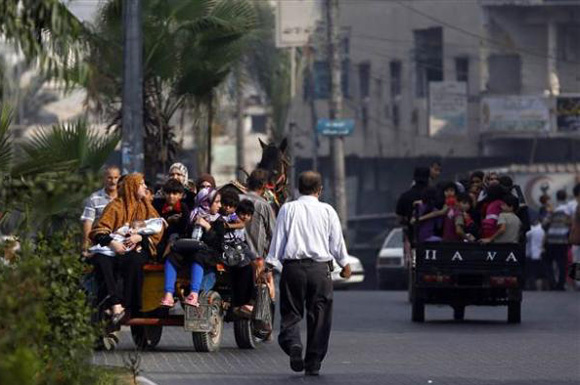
(374, 342)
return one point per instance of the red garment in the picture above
(489, 222)
(167, 208)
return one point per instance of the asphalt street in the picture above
(374, 342)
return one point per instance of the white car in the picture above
(358, 273)
(390, 265)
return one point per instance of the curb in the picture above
(144, 381)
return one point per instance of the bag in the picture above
(262, 314)
(574, 238)
(187, 245)
(234, 253)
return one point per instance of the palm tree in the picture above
(47, 33)
(270, 68)
(57, 169)
(189, 49)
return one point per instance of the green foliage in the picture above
(189, 49)
(65, 148)
(270, 67)
(45, 332)
(5, 142)
(57, 170)
(46, 31)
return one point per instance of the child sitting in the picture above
(429, 217)
(148, 227)
(175, 212)
(509, 225)
(465, 227)
(234, 226)
(453, 211)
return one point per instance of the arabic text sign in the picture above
(447, 108)
(296, 21)
(568, 114)
(339, 127)
(515, 113)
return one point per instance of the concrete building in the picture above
(428, 80)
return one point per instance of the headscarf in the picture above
(126, 208)
(205, 178)
(203, 202)
(182, 169)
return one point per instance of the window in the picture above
(322, 79)
(364, 73)
(462, 69)
(395, 76)
(428, 58)
(259, 123)
(395, 73)
(568, 42)
(505, 74)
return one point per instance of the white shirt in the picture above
(571, 207)
(535, 241)
(307, 228)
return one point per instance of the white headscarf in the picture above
(182, 169)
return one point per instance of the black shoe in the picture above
(296, 361)
(312, 372)
(312, 368)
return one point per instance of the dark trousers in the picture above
(129, 268)
(243, 289)
(306, 283)
(559, 254)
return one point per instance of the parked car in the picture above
(358, 274)
(391, 269)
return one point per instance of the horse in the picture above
(275, 160)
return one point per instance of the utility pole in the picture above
(240, 140)
(335, 110)
(133, 159)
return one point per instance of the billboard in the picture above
(296, 21)
(447, 108)
(515, 114)
(568, 113)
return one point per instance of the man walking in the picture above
(308, 237)
(557, 232)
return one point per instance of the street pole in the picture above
(335, 110)
(292, 153)
(132, 155)
(240, 140)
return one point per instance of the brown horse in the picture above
(275, 160)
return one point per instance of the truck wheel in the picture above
(146, 336)
(458, 313)
(418, 311)
(244, 334)
(210, 341)
(514, 312)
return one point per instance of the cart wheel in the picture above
(211, 341)
(244, 334)
(514, 312)
(418, 311)
(146, 336)
(458, 313)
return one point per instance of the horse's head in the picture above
(275, 160)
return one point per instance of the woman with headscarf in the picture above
(205, 181)
(130, 206)
(202, 252)
(179, 172)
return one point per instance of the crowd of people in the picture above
(184, 226)
(488, 208)
(192, 227)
